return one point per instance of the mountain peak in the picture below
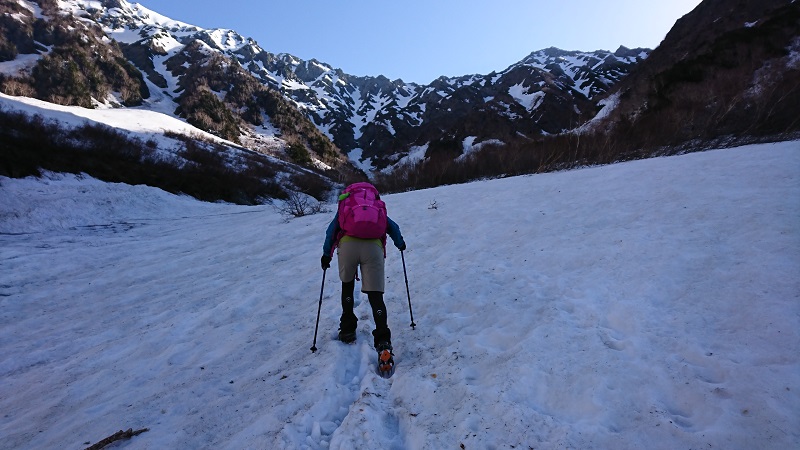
(546, 93)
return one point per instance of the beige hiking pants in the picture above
(367, 253)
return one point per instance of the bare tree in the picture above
(298, 204)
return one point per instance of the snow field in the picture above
(652, 304)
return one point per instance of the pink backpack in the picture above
(362, 213)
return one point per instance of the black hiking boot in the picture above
(348, 337)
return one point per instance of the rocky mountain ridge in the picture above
(376, 121)
(726, 72)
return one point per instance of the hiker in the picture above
(359, 230)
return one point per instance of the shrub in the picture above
(298, 205)
(203, 109)
(16, 87)
(298, 153)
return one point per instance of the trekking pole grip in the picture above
(408, 292)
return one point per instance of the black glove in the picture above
(326, 262)
(402, 246)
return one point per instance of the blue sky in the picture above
(419, 41)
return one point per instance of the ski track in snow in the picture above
(651, 304)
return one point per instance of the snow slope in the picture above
(139, 123)
(142, 124)
(652, 304)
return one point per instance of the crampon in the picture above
(385, 363)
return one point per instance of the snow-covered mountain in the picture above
(722, 73)
(83, 53)
(375, 120)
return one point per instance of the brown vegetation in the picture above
(80, 67)
(202, 169)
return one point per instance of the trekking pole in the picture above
(321, 290)
(413, 325)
